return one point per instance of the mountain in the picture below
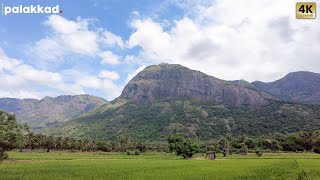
(40, 113)
(164, 99)
(166, 81)
(297, 86)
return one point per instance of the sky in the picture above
(96, 46)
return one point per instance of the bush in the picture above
(258, 152)
(244, 149)
(128, 153)
(141, 147)
(3, 156)
(136, 152)
(103, 146)
(316, 150)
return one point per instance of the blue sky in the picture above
(95, 46)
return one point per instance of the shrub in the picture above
(244, 149)
(136, 152)
(3, 155)
(316, 150)
(141, 147)
(258, 152)
(128, 153)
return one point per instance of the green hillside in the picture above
(195, 119)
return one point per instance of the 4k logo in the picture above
(306, 10)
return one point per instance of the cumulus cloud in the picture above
(112, 75)
(18, 78)
(109, 89)
(21, 80)
(224, 39)
(70, 37)
(109, 58)
(111, 39)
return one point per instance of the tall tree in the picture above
(9, 133)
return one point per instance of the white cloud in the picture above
(109, 58)
(112, 75)
(64, 26)
(226, 40)
(111, 39)
(110, 89)
(20, 80)
(70, 38)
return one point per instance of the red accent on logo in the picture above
(61, 11)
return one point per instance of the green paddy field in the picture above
(98, 165)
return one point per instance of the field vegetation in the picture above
(151, 165)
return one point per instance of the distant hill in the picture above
(48, 111)
(164, 99)
(297, 86)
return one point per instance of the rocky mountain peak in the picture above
(171, 81)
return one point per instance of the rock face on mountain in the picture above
(297, 86)
(166, 81)
(39, 113)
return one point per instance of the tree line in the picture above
(227, 145)
(19, 137)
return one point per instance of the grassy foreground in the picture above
(64, 165)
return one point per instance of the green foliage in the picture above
(9, 133)
(184, 147)
(224, 144)
(103, 146)
(243, 149)
(293, 142)
(174, 140)
(187, 148)
(141, 147)
(136, 152)
(194, 119)
(258, 152)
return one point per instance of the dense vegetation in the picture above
(135, 129)
(194, 119)
(15, 136)
(11, 134)
(181, 146)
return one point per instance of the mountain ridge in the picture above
(300, 86)
(49, 110)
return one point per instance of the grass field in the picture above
(64, 165)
